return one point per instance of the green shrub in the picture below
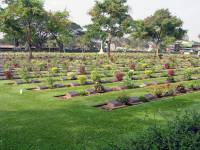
(24, 74)
(95, 76)
(188, 74)
(82, 79)
(130, 73)
(128, 82)
(141, 66)
(55, 70)
(149, 73)
(195, 85)
(123, 99)
(157, 91)
(83, 93)
(164, 74)
(71, 75)
(182, 133)
(50, 81)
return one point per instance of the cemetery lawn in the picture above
(36, 120)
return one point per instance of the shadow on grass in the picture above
(77, 126)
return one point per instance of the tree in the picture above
(93, 35)
(199, 36)
(41, 33)
(112, 18)
(58, 24)
(162, 29)
(19, 17)
(28, 22)
(10, 26)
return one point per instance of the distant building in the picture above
(6, 47)
(196, 45)
(186, 46)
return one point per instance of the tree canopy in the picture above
(111, 17)
(28, 22)
(162, 28)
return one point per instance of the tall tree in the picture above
(112, 17)
(20, 17)
(59, 27)
(10, 26)
(162, 28)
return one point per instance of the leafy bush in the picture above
(40, 65)
(82, 79)
(188, 74)
(157, 91)
(55, 70)
(168, 90)
(148, 73)
(8, 74)
(130, 73)
(182, 133)
(119, 76)
(195, 85)
(166, 66)
(72, 76)
(164, 74)
(162, 90)
(171, 72)
(83, 93)
(99, 88)
(7, 66)
(123, 99)
(128, 82)
(141, 66)
(181, 88)
(95, 76)
(24, 74)
(50, 81)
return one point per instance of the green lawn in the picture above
(38, 121)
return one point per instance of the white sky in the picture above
(187, 10)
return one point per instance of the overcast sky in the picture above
(187, 10)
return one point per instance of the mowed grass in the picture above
(36, 120)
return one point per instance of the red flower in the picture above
(166, 66)
(171, 72)
(119, 76)
(8, 74)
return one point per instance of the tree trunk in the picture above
(109, 45)
(29, 40)
(30, 52)
(61, 47)
(157, 52)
